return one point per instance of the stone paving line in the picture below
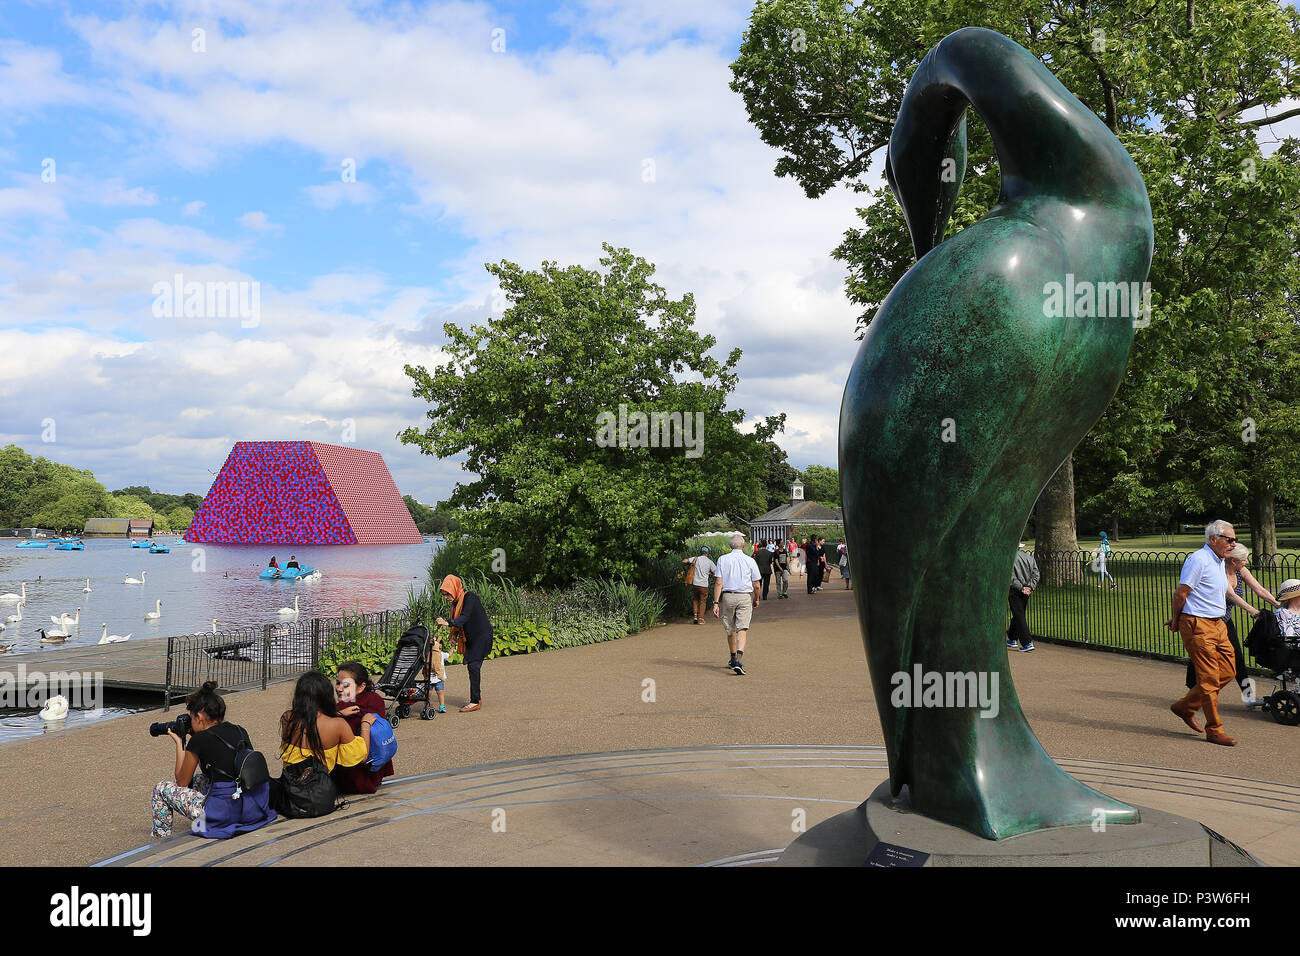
(82, 796)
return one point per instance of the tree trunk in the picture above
(1055, 530)
(1263, 529)
(1114, 528)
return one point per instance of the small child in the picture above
(438, 658)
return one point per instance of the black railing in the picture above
(1127, 609)
(247, 657)
(244, 658)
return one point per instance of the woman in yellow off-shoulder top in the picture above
(312, 727)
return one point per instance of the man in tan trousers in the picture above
(1198, 606)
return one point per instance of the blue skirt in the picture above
(223, 816)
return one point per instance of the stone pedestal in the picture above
(884, 832)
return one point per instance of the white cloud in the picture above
(153, 234)
(113, 192)
(33, 78)
(34, 200)
(530, 156)
(258, 222)
(332, 195)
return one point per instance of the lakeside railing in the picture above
(247, 657)
(258, 656)
(1074, 605)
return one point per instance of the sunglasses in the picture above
(1226, 538)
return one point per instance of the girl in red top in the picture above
(356, 698)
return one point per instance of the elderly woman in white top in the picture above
(1235, 567)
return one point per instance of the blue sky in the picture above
(477, 132)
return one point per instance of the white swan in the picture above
(56, 708)
(12, 598)
(16, 618)
(67, 621)
(107, 638)
(156, 612)
(139, 580)
(86, 589)
(53, 637)
(289, 611)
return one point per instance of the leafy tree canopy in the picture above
(543, 401)
(1182, 86)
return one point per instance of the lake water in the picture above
(195, 583)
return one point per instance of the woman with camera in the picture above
(206, 788)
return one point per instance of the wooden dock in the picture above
(235, 662)
(134, 665)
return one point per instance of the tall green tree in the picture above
(17, 474)
(822, 484)
(75, 500)
(535, 399)
(822, 82)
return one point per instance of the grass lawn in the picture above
(1288, 541)
(1131, 616)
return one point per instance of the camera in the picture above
(181, 727)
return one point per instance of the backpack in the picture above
(250, 766)
(305, 789)
(383, 743)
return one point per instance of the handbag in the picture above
(306, 790)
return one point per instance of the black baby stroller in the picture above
(400, 678)
(1271, 649)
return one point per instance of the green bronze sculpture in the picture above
(983, 368)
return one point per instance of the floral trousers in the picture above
(169, 797)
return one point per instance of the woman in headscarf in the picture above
(470, 633)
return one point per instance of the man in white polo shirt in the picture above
(735, 595)
(1198, 607)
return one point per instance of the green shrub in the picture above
(373, 653)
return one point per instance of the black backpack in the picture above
(305, 789)
(251, 770)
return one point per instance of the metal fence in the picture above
(1126, 611)
(242, 658)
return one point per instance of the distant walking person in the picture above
(1103, 552)
(701, 567)
(1196, 613)
(764, 558)
(735, 595)
(782, 571)
(471, 632)
(799, 558)
(845, 575)
(1024, 578)
(813, 564)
